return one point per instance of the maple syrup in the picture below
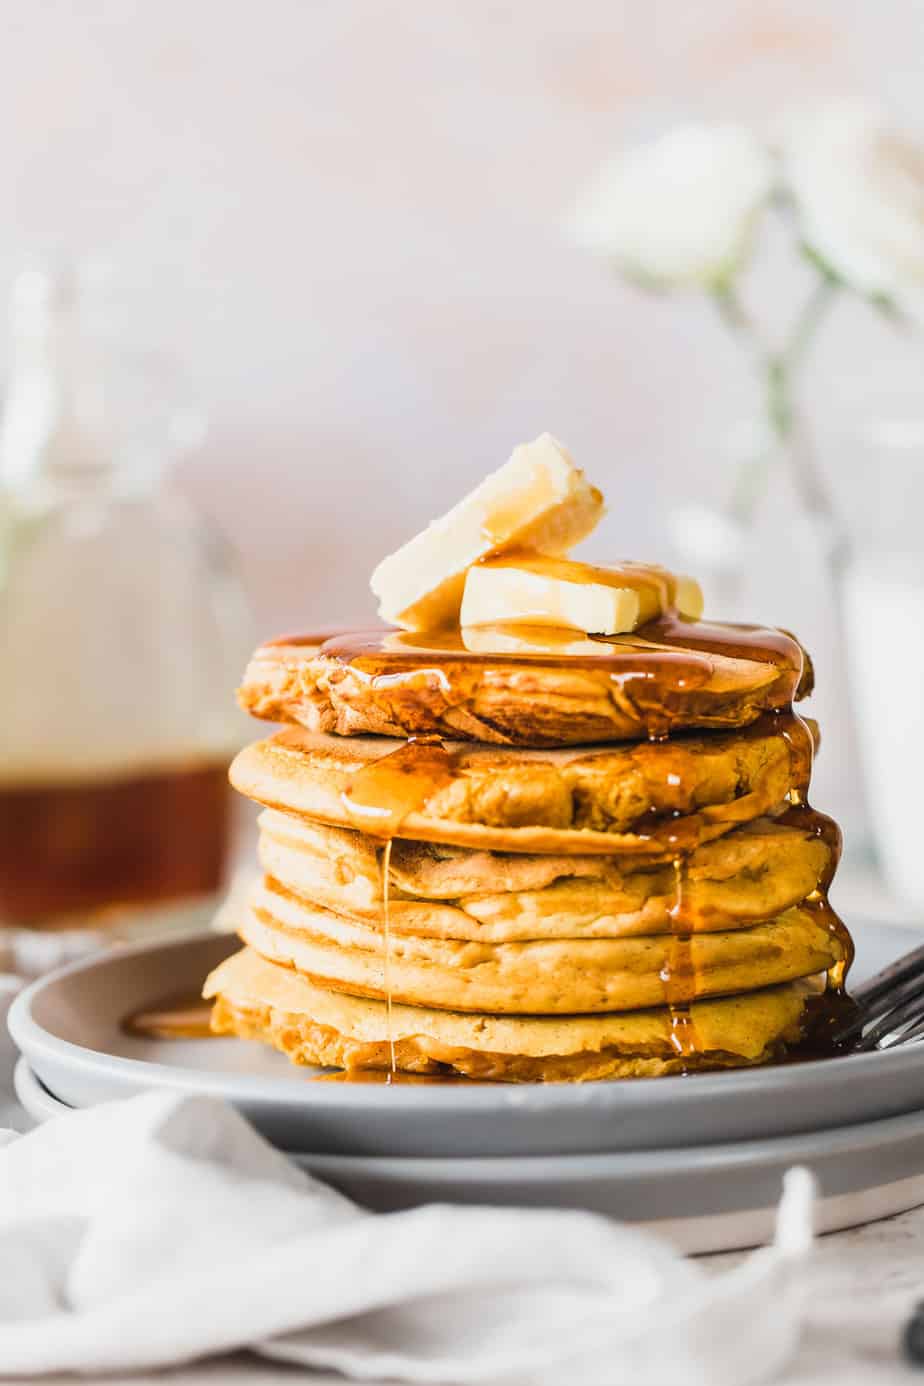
(765, 644)
(657, 648)
(378, 798)
(381, 795)
(679, 971)
(673, 671)
(678, 974)
(69, 850)
(386, 964)
(801, 815)
(176, 1017)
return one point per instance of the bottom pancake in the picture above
(257, 999)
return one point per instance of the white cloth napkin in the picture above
(160, 1229)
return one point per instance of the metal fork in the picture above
(889, 1007)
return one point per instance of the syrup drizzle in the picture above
(656, 649)
(800, 814)
(668, 673)
(378, 799)
(382, 794)
(679, 972)
(386, 966)
(173, 1018)
(386, 791)
(658, 646)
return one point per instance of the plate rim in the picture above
(855, 1140)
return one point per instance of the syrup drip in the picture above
(679, 973)
(801, 815)
(797, 734)
(378, 799)
(173, 1018)
(386, 967)
(381, 795)
(765, 644)
(384, 793)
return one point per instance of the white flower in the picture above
(858, 188)
(680, 210)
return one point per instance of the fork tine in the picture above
(907, 967)
(885, 1002)
(914, 1031)
(909, 1012)
(913, 1034)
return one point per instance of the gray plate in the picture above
(68, 1026)
(708, 1198)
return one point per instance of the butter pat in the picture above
(496, 596)
(539, 499)
(688, 597)
(533, 589)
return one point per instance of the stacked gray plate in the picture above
(700, 1158)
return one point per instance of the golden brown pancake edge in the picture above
(256, 999)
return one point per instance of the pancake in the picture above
(755, 872)
(256, 999)
(524, 688)
(537, 977)
(649, 799)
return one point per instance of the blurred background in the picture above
(345, 221)
(343, 226)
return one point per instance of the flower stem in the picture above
(788, 425)
(752, 476)
(810, 319)
(779, 369)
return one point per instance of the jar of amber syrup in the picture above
(122, 628)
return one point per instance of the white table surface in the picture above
(860, 1287)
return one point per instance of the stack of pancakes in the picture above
(533, 861)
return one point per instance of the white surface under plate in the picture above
(69, 1026)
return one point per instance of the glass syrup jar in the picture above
(123, 630)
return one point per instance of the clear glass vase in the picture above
(882, 491)
(774, 553)
(123, 629)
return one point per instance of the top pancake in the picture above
(528, 687)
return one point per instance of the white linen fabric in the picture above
(161, 1229)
